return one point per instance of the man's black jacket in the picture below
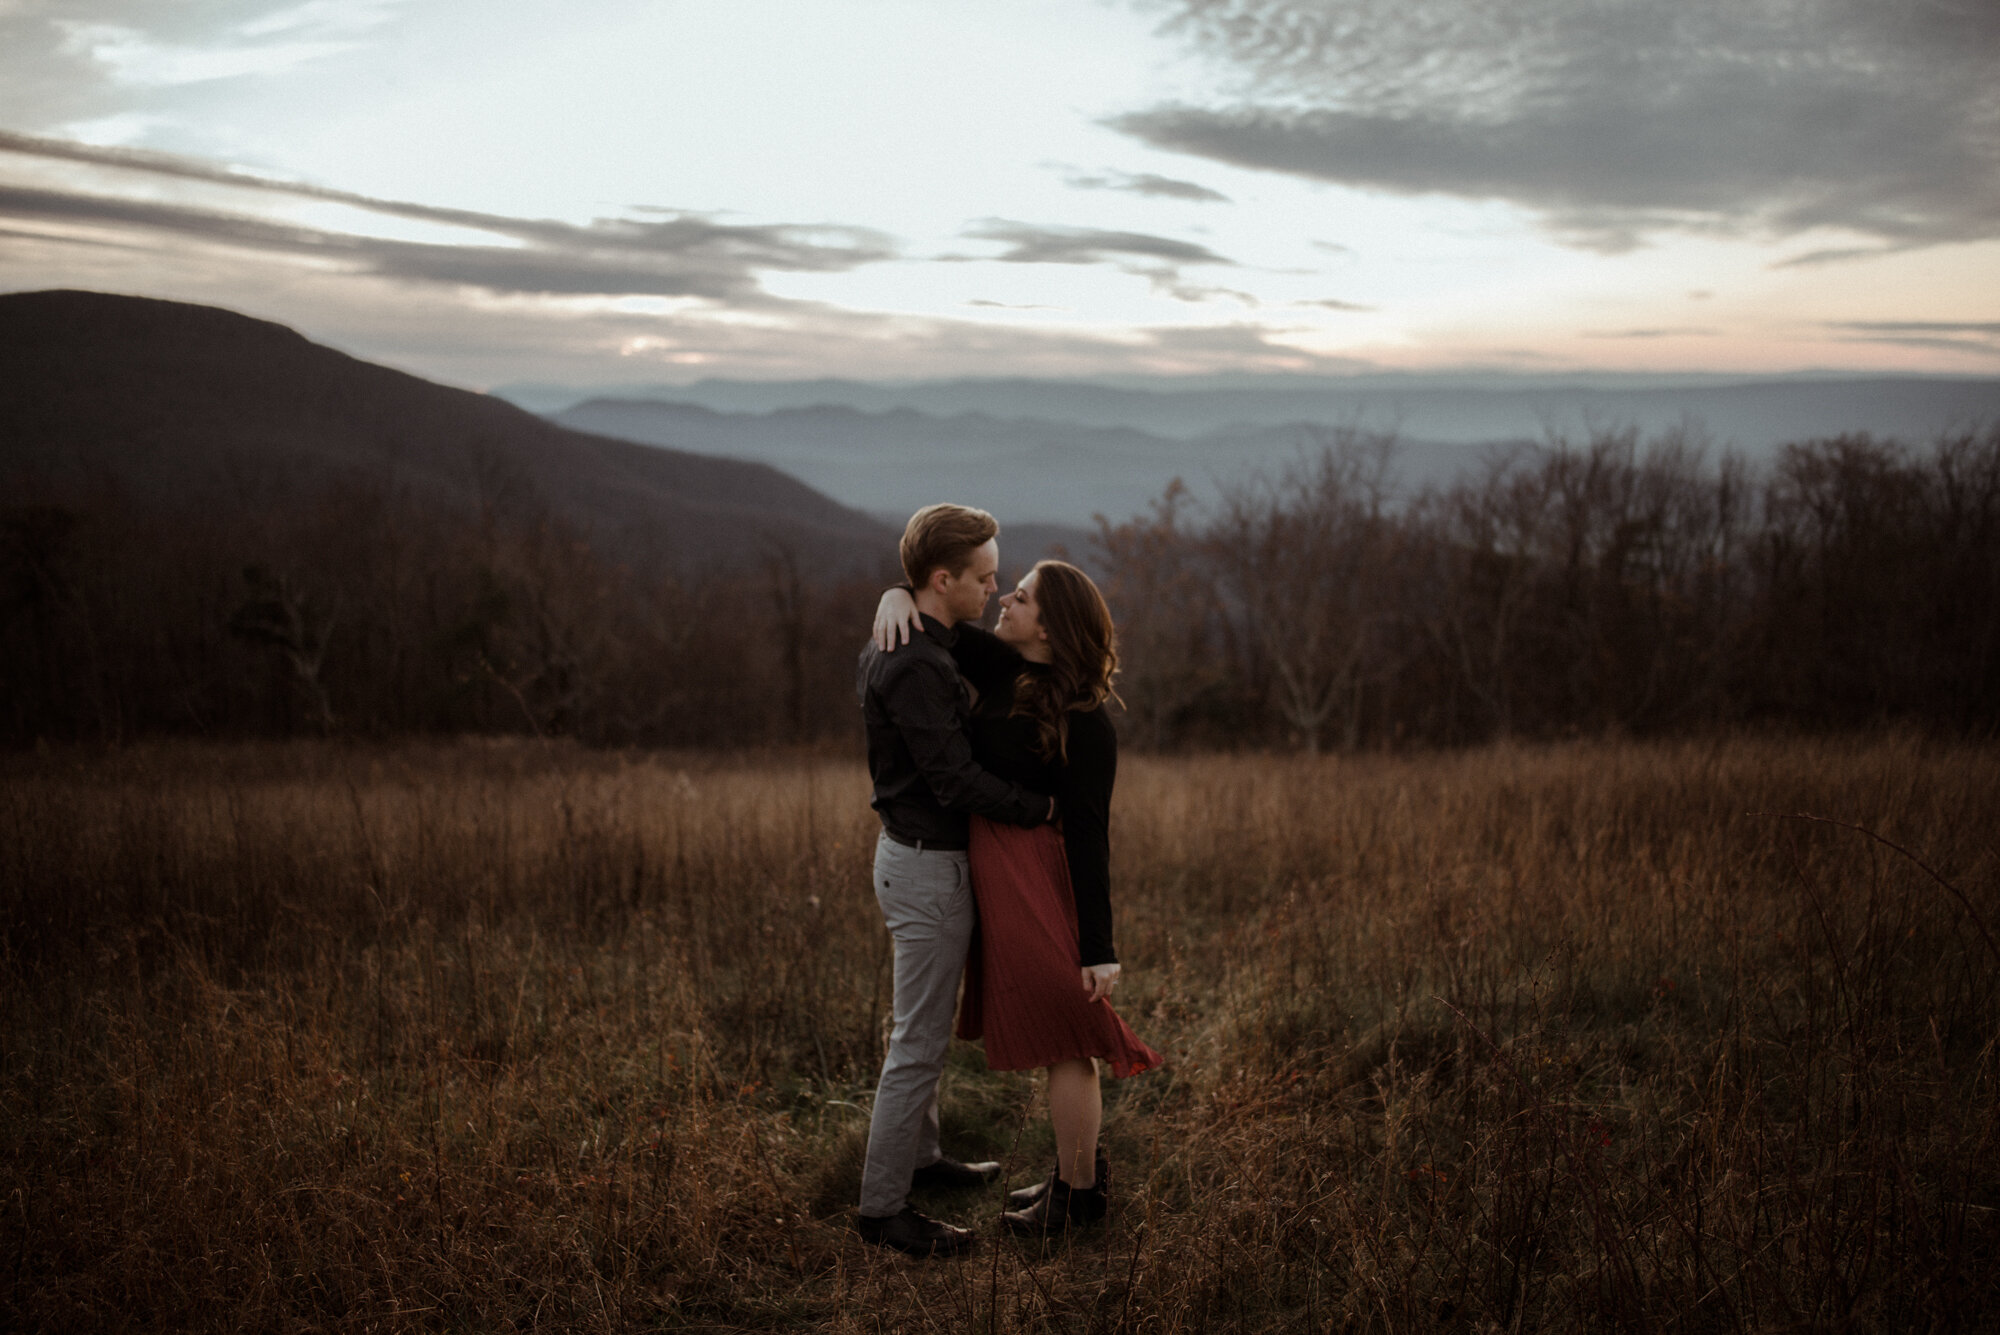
(916, 709)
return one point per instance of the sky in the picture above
(656, 191)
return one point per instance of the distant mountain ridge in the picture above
(1045, 472)
(177, 402)
(1753, 414)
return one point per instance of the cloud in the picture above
(1033, 244)
(499, 318)
(1989, 328)
(1145, 183)
(322, 16)
(1158, 259)
(1198, 294)
(58, 239)
(469, 337)
(1333, 304)
(1239, 346)
(235, 44)
(131, 58)
(1980, 336)
(1965, 336)
(664, 254)
(1615, 119)
(71, 62)
(1814, 259)
(1684, 331)
(179, 167)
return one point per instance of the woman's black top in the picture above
(1004, 744)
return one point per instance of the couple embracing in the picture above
(992, 761)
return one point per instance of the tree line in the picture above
(346, 604)
(1613, 584)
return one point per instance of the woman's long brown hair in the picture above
(1083, 647)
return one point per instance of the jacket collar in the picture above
(942, 635)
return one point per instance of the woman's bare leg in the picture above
(1076, 1107)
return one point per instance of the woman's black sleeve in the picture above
(1084, 797)
(985, 660)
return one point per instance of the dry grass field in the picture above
(486, 1037)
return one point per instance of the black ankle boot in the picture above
(1061, 1207)
(1023, 1197)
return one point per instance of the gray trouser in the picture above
(926, 899)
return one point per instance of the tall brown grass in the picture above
(483, 1037)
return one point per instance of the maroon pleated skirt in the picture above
(1023, 984)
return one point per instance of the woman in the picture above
(1040, 977)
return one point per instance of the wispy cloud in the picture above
(1977, 336)
(1146, 183)
(726, 320)
(667, 254)
(1989, 328)
(1679, 331)
(1814, 259)
(180, 167)
(131, 58)
(61, 238)
(1200, 294)
(1010, 305)
(1615, 119)
(229, 46)
(1157, 259)
(1249, 346)
(1031, 243)
(99, 63)
(321, 16)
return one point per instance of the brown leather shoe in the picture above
(914, 1233)
(950, 1173)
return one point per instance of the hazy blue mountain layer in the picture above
(1754, 414)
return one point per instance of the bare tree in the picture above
(1483, 547)
(1297, 556)
(789, 600)
(1165, 601)
(279, 613)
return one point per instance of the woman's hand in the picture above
(896, 616)
(1097, 981)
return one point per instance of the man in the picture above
(926, 783)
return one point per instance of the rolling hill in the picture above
(188, 407)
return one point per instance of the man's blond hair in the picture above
(944, 537)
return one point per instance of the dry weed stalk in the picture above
(519, 1035)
